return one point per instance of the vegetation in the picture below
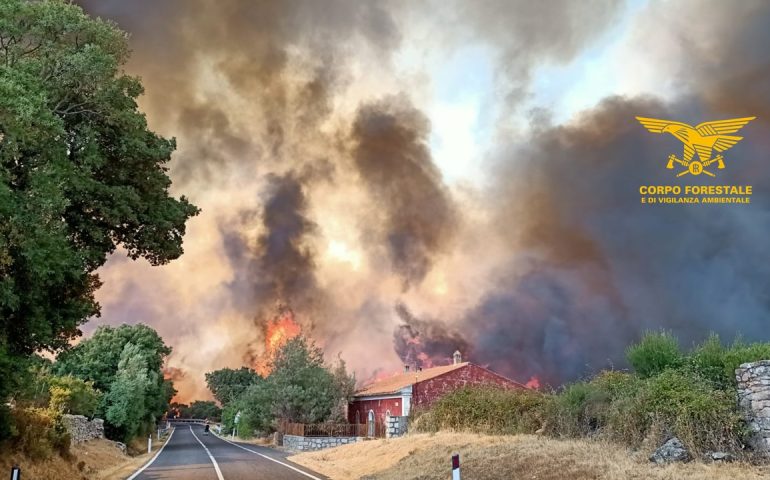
(228, 384)
(80, 176)
(201, 409)
(126, 364)
(300, 388)
(691, 395)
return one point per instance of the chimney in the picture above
(457, 357)
(406, 368)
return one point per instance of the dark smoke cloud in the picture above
(417, 215)
(253, 47)
(279, 264)
(599, 268)
(425, 342)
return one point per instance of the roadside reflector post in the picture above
(15, 473)
(456, 466)
(159, 434)
(149, 444)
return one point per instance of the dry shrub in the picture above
(38, 433)
(484, 409)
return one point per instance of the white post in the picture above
(149, 444)
(15, 473)
(456, 466)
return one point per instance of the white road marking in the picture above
(216, 465)
(269, 458)
(136, 474)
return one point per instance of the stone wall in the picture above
(82, 429)
(754, 399)
(396, 426)
(304, 444)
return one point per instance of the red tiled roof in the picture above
(397, 382)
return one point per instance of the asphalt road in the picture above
(191, 455)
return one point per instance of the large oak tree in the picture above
(80, 175)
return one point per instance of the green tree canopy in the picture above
(80, 174)
(227, 384)
(127, 364)
(300, 388)
(204, 409)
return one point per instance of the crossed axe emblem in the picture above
(695, 167)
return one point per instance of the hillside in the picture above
(92, 460)
(427, 457)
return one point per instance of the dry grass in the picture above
(93, 460)
(427, 457)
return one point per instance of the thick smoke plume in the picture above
(306, 132)
(416, 215)
(425, 343)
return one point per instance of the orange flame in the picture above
(533, 383)
(277, 332)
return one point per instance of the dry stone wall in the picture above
(754, 399)
(82, 429)
(305, 444)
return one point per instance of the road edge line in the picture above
(269, 458)
(135, 474)
(211, 457)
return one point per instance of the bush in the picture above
(718, 363)
(39, 433)
(228, 418)
(605, 406)
(485, 410)
(73, 395)
(690, 407)
(655, 352)
(622, 407)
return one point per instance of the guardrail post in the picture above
(456, 466)
(15, 473)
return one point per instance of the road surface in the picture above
(190, 455)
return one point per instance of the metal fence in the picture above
(332, 429)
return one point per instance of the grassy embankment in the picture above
(493, 457)
(92, 460)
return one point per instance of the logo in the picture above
(702, 139)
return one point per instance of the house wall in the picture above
(380, 407)
(428, 391)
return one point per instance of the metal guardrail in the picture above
(196, 421)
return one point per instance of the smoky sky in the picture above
(425, 342)
(393, 159)
(602, 268)
(320, 189)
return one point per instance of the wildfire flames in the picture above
(533, 383)
(282, 328)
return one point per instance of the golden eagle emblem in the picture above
(702, 139)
